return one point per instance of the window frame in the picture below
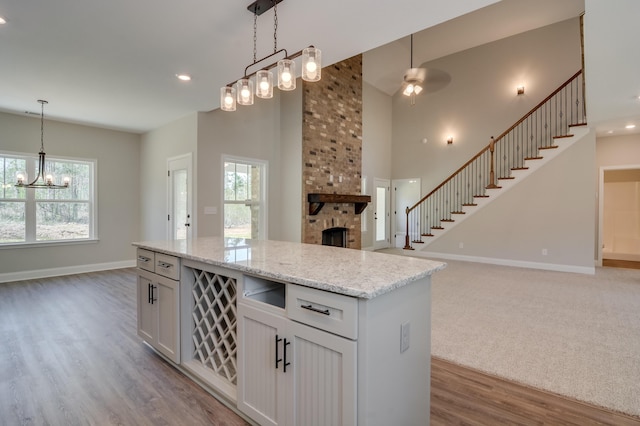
(31, 201)
(263, 231)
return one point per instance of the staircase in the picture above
(539, 136)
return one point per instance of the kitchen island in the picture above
(289, 333)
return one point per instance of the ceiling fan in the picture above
(413, 79)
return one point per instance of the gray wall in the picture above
(376, 148)
(479, 102)
(250, 132)
(118, 159)
(174, 139)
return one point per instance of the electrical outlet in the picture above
(544, 252)
(460, 245)
(405, 332)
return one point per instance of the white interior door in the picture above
(381, 213)
(406, 194)
(179, 189)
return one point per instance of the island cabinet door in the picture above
(262, 390)
(324, 380)
(146, 310)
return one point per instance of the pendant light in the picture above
(242, 91)
(43, 179)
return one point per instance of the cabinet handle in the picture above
(165, 265)
(319, 311)
(151, 298)
(149, 291)
(285, 354)
(143, 259)
(278, 360)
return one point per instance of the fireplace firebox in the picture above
(336, 237)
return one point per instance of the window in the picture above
(244, 200)
(45, 215)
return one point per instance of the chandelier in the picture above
(242, 91)
(42, 180)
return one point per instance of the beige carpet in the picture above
(572, 334)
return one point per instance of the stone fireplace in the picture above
(332, 151)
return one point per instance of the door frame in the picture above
(386, 183)
(604, 169)
(188, 161)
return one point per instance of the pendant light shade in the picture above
(311, 64)
(244, 91)
(228, 98)
(264, 84)
(286, 74)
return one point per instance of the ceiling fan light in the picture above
(408, 90)
(228, 98)
(417, 89)
(264, 84)
(311, 64)
(286, 74)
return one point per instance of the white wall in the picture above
(118, 156)
(171, 140)
(376, 147)
(290, 188)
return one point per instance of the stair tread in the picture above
(520, 168)
(481, 196)
(469, 205)
(447, 220)
(417, 242)
(577, 124)
(563, 136)
(427, 235)
(459, 212)
(437, 227)
(508, 177)
(534, 158)
(549, 147)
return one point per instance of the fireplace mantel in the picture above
(316, 201)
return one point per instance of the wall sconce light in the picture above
(450, 140)
(520, 90)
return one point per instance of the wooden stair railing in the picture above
(536, 130)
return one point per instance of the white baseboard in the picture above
(65, 270)
(589, 270)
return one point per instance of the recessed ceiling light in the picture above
(184, 77)
(2, 20)
(630, 126)
(610, 131)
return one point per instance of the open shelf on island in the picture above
(265, 291)
(317, 201)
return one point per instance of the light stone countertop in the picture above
(362, 274)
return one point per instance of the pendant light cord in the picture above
(275, 26)
(42, 125)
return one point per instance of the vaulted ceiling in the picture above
(113, 64)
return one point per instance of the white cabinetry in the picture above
(290, 373)
(159, 302)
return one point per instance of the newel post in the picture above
(407, 246)
(492, 175)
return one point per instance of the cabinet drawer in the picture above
(168, 266)
(332, 312)
(145, 260)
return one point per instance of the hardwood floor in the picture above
(613, 263)
(70, 355)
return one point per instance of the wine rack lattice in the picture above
(214, 316)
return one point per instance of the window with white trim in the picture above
(39, 215)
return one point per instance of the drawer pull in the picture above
(143, 259)
(319, 311)
(165, 265)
